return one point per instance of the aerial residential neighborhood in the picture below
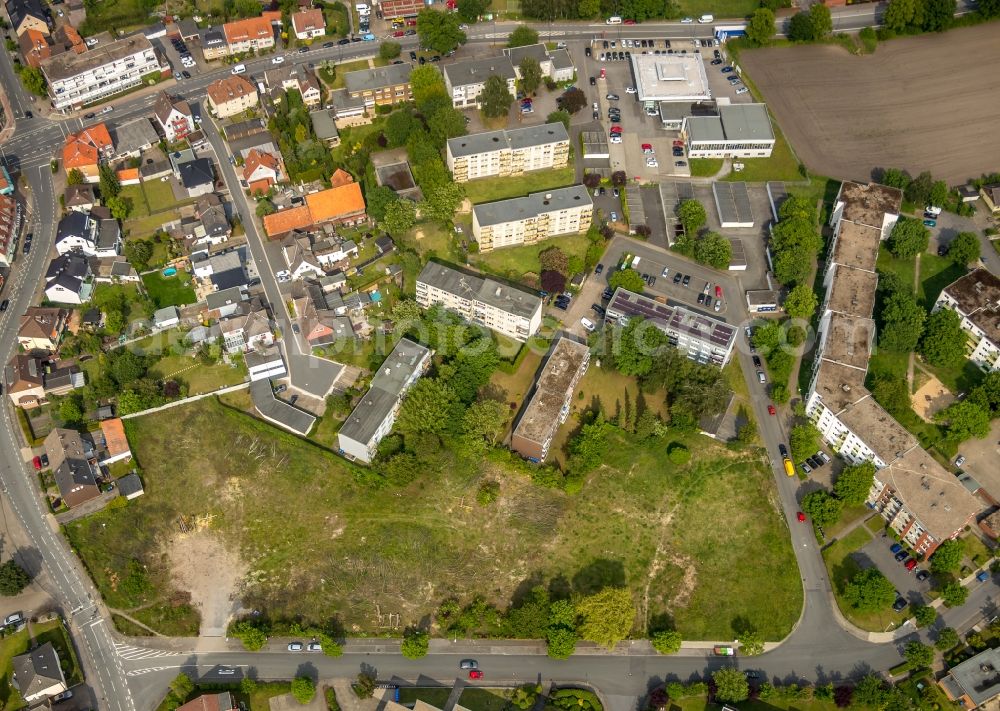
(453, 355)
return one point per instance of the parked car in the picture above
(930, 223)
(899, 604)
(599, 269)
(666, 270)
(468, 664)
(587, 324)
(66, 694)
(806, 468)
(782, 450)
(612, 97)
(895, 548)
(647, 148)
(36, 462)
(475, 674)
(314, 647)
(686, 280)
(14, 618)
(4, 304)
(677, 277)
(983, 576)
(771, 411)
(824, 456)
(295, 647)
(901, 556)
(911, 564)
(959, 461)
(923, 574)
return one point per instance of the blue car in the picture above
(726, 70)
(896, 548)
(368, 37)
(930, 223)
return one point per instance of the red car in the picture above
(398, 33)
(801, 516)
(629, 22)
(771, 410)
(911, 564)
(603, 73)
(37, 464)
(616, 129)
(718, 291)
(475, 674)
(411, 23)
(678, 144)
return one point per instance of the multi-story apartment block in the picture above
(918, 498)
(230, 96)
(253, 33)
(107, 69)
(551, 399)
(465, 80)
(381, 86)
(701, 338)
(375, 415)
(503, 153)
(976, 298)
(174, 116)
(531, 219)
(516, 313)
(556, 64)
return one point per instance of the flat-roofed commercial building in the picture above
(551, 398)
(701, 338)
(100, 72)
(976, 298)
(374, 416)
(739, 131)
(674, 78)
(531, 219)
(975, 681)
(504, 153)
(516, 313)
(381, 86)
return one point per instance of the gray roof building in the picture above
(324, 124)
(196, 173)
(130, 486)
(974, 681)
(135, 136)
(473, 287)
(496, 213)
(37, 674)
(377, 78)
(71, 64)
(515, 139)
(278, 411)
(476, 71)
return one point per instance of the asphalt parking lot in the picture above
(878, 554)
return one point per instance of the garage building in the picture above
(732, 202)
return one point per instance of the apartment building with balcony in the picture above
(505, 153)
(375, 414)
(533, 218)
(515, 313)
(551, 399)
(976, 298)
(465, 80)
(381, 86)
(103, 71)
(174, 116)
(253, 33)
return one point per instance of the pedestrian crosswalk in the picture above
(132, 653)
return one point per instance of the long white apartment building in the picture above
(915, 495)
(976, 298)
(105, 70)
(515, 313)
(531, 219)
(503, 153)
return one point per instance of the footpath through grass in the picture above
(301, 518)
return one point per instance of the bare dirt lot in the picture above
(919, 103)
(205, 568)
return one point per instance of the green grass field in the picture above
(18, 643)
(302, 520)
(515, 262)
(199, 377)
(490, 189)
(704, 167)
(169, 291)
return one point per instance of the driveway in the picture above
(878, 554)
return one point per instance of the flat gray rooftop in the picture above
(515, 209)
(541, 417)
(746, 122)
(278, 411)
(467, 285)
(515, 139)
(733, 203)
(670, 77)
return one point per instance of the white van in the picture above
(706, 19)
(587, 324)
(613, 20)
(240, 69)
(932, 210)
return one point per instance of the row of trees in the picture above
(850, 489)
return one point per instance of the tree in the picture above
(902, 322)
(628, 279)
(800, 28)
(946, 639)
(181, 687)
(988, 8)
(714, 250)
(470, 10)
(964, 420)
(430, 406)
(138, 252)
(947, 557)
(389, 49)
(562, 117)
(75, 177)
(804, 440)
(751, 643)
(522, 36)
(400, 216)
(909, 238)
(821, 20)
(561, 632)
(439, 30)
(486, 419)
(554, 259)
(667, 641)
(606, 617)
(919, 655)
(854, 483)
(495, 98)
(731, 685)
(761, 28)
(426, 83)
(553, 282)
(871, 692)
(869, 590)
(618, 179)
(364, 687)
(987, 393)
(531, 75)
(588, 9)
(901, 14)
(13, 579)
(70, 410)
(33, 80)
(119, 206)
(588, 448)
(265, 207)
(416, 642)
(110, 185)
(801, 302)
(964, 249)
(446, 122)
(939, 15)
(399, 126)
(572, 100)
(924, 615)
(303, 689)
(895, 178)
(953, 594)
(823, 508)
(793, 265)
(943, 342)
(692, 215)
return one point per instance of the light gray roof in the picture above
(747, 122)
(561, 59)
(387, 385)
(535, 51)
(496, 213)
(323, 124)
(476, 143)
(732, 200)
(70, 64)
(279, 411)
(129, 484)
(476, 71)
(979, 676)
(167, 313)
(135, 135)
(218, 299)
(342, 101)
(705, 128)
(520, 302)
(530, 136)
(37, 670)
(377, 78)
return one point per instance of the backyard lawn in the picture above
(199, 377)
(490, 189)
(169, 291)
(405, 550)
(515, 262)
